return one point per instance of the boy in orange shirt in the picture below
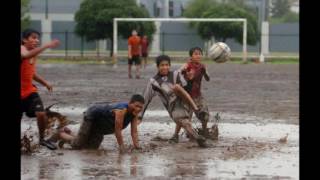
(134, 53)
(30, 100)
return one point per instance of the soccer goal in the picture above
(116, 20)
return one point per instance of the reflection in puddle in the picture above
(267, 158)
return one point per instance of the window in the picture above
(171, 8)
(156, 9)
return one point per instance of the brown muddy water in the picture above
(258, 105)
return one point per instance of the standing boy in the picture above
(134, 53)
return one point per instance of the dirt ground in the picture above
(258, 104)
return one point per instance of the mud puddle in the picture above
(244, 150)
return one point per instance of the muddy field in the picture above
(258, 105)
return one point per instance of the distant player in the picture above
(134, 53)
(144, 50)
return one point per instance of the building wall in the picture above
(177, 36)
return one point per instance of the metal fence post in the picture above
(163, 42)
(81, 47)
(66, 44)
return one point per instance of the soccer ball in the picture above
(219, 52)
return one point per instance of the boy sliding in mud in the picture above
(167, 85)
(103, 119)
(193, 72)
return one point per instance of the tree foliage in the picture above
(280, 8)
(95, 19)
(222, 30)
(24, 19)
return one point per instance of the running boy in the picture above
(30, 100)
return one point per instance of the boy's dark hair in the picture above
(161, 58)
(192, 50)
(137, 97)
(27, 32)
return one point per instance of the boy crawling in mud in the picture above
(103, 119)
(193, 71)
(168, 86)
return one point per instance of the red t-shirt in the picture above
(27, 69)
(134, 42)
(144, 45)
(194, 85)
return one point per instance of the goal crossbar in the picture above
(243, 20)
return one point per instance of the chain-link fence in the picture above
(174, 44)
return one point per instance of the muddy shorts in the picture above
(203, 113)
(144, 54)
(87, 137)
(31, 105)
(181, 112)
(135, 59)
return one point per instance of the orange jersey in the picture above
(27, 69)
(134, 42)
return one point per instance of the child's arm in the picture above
(134, 133)
(205, 74)
(40, 80)
(36, 51)
(129, 48)
(148, 95)
(119, 115)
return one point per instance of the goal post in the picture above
(116, 20)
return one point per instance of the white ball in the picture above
(219, 52)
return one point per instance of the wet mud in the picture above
(258, 130)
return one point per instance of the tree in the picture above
(25, 19)
(222, 30)
(280, 8)
(95, 19)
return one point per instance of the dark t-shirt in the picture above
(103, 117)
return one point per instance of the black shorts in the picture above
(102, 122)
(31, 105)
(135, 59)
(144, 55)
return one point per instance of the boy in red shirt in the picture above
(193, 72)
(30, 100)
(144, 49)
